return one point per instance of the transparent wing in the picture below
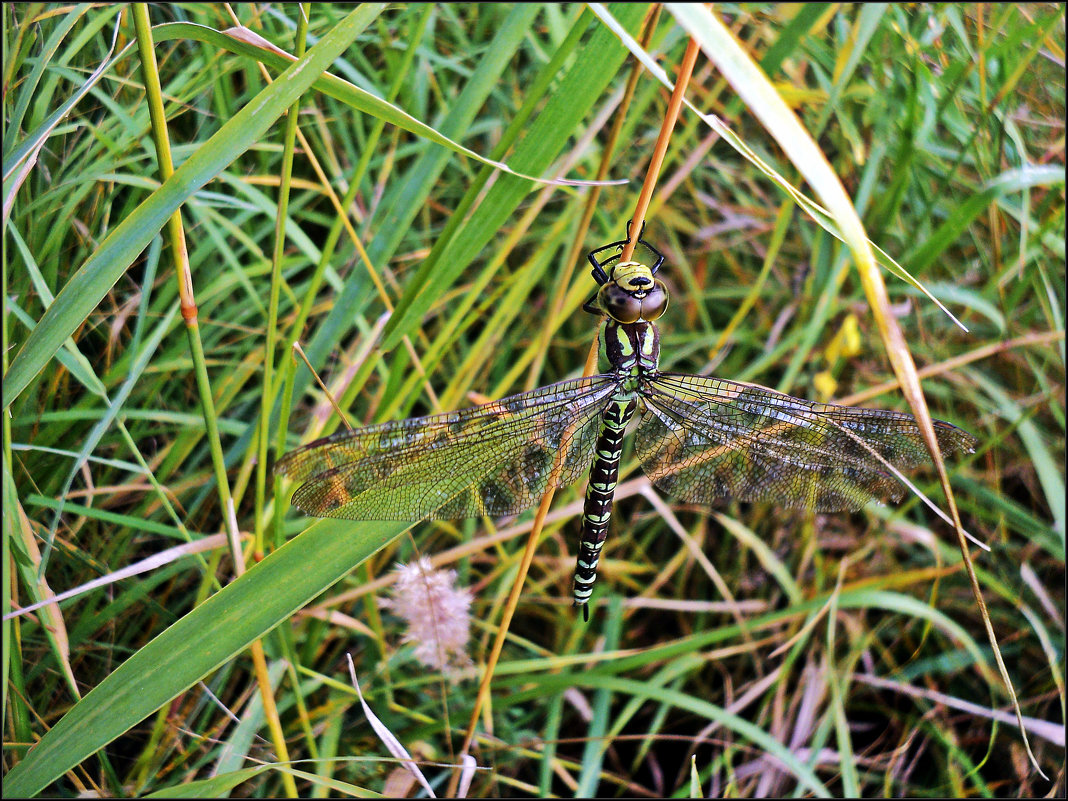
(705, 438)
(495, 459)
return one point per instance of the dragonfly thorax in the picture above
(632, 294)
(633, 349)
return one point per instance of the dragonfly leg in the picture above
(599, 274)
(591, 306)
(641, 233)
(659, 256)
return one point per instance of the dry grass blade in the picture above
(652, 173)
(389, 740)
(146, 565)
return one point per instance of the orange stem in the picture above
(651, 175)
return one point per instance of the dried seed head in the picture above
(437, 614)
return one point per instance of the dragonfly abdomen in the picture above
(597, 509)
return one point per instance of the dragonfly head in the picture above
(632, 294)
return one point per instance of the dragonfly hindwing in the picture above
(704, 439)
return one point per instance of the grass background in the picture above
(945, 123)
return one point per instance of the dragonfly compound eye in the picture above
(655, 302)
(619, 304)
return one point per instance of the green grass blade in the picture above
(582, 86)
(699, 706)
(411, 192)
(204, 639)
(244, 42)
(99, 273)
(949, 232)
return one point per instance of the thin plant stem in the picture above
(267, 394)
(299, 351)
(506, 619)
(176, 235)
(660, 149)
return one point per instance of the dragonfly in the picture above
(699, 439)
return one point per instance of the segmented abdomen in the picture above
(598, 507)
